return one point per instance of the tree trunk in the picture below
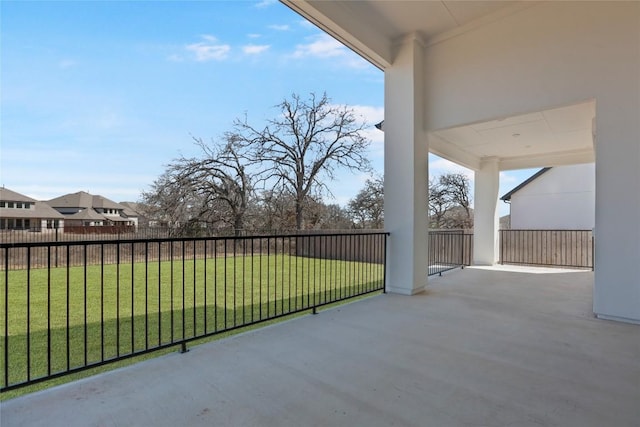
(238, 225)
(299, 217)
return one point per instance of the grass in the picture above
(67, 318)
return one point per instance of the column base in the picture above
(405, 291)
(617, 319)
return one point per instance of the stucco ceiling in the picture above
(426, 18)
(555, 136)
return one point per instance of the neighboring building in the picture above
(86, 210)
(558, 198)
(20, 212)
(134, 211)
(147, 218)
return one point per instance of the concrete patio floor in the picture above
(482, 347)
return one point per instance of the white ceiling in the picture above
(426, 18)
(555, 136)
(373, 28)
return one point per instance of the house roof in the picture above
(87, 214)
(507, 196)
(12, 196)
(39, 210)
(82, 199)
(131, 209)
(90, 214)
(103, 202)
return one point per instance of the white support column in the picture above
(616, 289)
(406, 159)
(485, 213)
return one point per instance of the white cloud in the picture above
(439, 166)
(322, 46)
(306, 24)
(264, 3)
(254, 49)
(209, 49)
(371, 115)
(254, 35)
(277, 27)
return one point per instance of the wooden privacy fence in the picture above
(357, 246)
(562, 248)
(449, 249)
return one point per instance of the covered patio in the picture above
(491, 346)
(501, 85)
(482, 346)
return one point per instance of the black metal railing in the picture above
(71, 306)
(558, 248)
(97, 233)
(449, 249)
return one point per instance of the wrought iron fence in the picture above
(82, 233)
(560, 248)
(71, 306)
(449, 249)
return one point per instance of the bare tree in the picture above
(210, 192)
(169, 203)
(458, 187)
(450, 201)
(367, 208)
(303, 146)
(439, 203)
(334, 217)
(222, 178)
(320, 216)
(276, 211)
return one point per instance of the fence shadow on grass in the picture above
(50, 353)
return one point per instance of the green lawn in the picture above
(133, 307)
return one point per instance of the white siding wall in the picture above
(549, 55)
(563, 198)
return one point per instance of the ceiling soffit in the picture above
(373, 27)
(558, 136)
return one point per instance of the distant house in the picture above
(558, 198)
(20, 212)
(135, 211)
(82, 209)
(149, 217)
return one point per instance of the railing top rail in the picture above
(182, 239)
(546, 229)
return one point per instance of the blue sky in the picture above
(100, 96)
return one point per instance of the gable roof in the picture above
(507, 196)
(12, 196)
(131, 209)
(87, 214)
(103, 202)
(40, 209)
(82, 199)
